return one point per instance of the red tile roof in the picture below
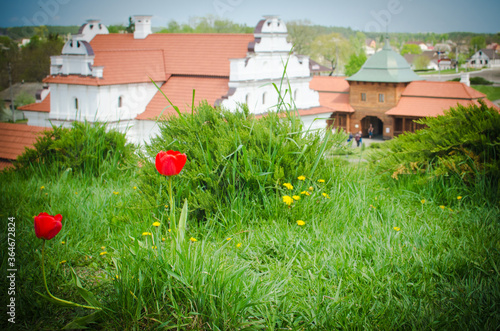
(123, 66)
(430, 107)
(329, 84)
(15, 137)
(180, 92)
(449, 90)
(43, 106)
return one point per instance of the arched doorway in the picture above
(378, 126)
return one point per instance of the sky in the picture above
(439, 16)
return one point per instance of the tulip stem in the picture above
(172, 208)
(47, 288)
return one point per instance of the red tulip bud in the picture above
(47, 226)
(170, 163)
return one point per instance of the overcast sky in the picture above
(367, 15)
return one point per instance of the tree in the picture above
(356, 61)
(421, 62)
(476, 43)
(300, 34)
(411, 49)
(332, 49)
(131, 25)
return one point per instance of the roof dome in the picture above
(385, 66)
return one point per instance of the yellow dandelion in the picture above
(325, 195)
(397, 228)
(46, 194)
(459, 197)
(238, 245)
(135, 187)
(41, 188)
(63, 261)
(116, 193)
(321, 180)
(193, 239)
(296, 197)
(154, 247)
(76, 192)
(146, 233)
(422, 201)
(116, 276)
(163, 239)
(311, 188)
(228, 238)
(301, 223)
(157, 224)
(103, 253)
(450, 209)
(166, 206)
(63, 242)
(288, 200)
(288, 186)
(305, 193)
(103, 248)
(442, 207)
(169, 230)
(301, 178)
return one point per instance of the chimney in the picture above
(464, 78)
(142, 26)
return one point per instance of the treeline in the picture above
(26, 32)
(29, 63)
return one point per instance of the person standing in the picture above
(357, 137)
(370, 131)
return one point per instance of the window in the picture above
(264, 98)
(363, 96)
(381, 97)
(247, 98)
(76, 103)
(295, 94)
(120, 102)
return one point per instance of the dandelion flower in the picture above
(301, 178)
(228, 239)
(442, 207)
(116, 276)
(305, 192)
(397, 228)
(103, 253)
(157, 224)
(288, 200)
(325, 195)
(311, 188)
(301, 223)
(154, 247)
(135, 187)
(288, 186)
(63, 261)
(321, 180)
(296, 197)
(238, 245)
(193, 239)
(459, 197)
(422, 201)
(162, 239)
(169, 230)
(146, 233)
(116, 193)
(63, 242)
(76, 192)
(41, 188)
(103, 248)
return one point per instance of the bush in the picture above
(234, 154)
(85, 148)
(474, 81)
(464, 143)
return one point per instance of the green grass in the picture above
(445, 72)
(492, 92)
(346, 268)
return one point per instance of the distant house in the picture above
(370, 47)
(423, 46)
(437, 61)
(484, 58)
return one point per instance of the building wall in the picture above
(372, 106)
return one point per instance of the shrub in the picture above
(464, 143)
(475, 81)
(85, 148)
(234, 154)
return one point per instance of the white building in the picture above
(102, 77)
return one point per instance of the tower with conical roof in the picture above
(376, 88)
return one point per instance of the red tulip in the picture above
(47, 226)
(170, 163)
